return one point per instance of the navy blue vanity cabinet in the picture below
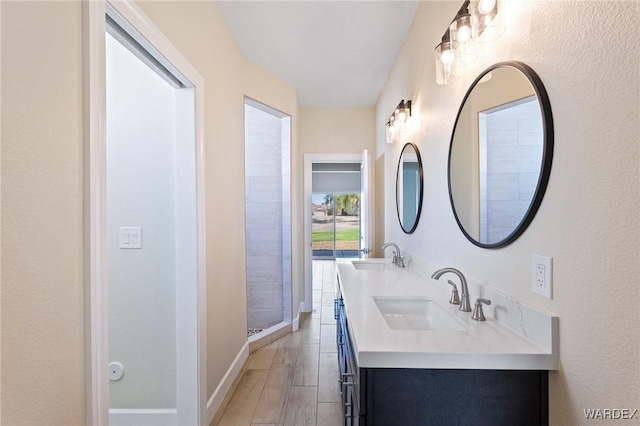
(407, 396)
(350, 377)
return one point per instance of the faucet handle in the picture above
(400, 262)
(455, 299)
(477, 314)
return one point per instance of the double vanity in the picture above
(409, 357)
(407, 353)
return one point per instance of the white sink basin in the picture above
(416, 313)
(369, 265)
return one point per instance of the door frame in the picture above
(191, 299)
(309, 160)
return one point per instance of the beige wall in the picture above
(42, 305)
(336, 131)
(42, 299)
(589, 220)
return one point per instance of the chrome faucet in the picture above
(465, 306)
(398, 260)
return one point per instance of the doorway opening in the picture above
(338, 211)
(268, 219)
(142, 226)
(144, 216)
(335, 210)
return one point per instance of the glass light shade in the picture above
(447, 58)
(392, 133)
(486, 6)
(460, 32)
(402, 112)
(483, 13)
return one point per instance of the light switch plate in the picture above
(130, 237)
(541, 275)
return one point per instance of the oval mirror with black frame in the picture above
(409, 188)
(500, 154)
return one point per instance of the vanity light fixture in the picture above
(397, 124)
(473, 23)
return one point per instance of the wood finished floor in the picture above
(294, 380)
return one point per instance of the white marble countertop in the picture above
(481, 345)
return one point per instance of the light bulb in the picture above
(486, 6)
(446, 59)
(464, 34)
(447, 56)
(402, 112)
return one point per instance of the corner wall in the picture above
(589, 220)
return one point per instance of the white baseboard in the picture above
(143, 417)
(225, 384)
(295, 325)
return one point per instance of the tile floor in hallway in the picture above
(294, 380)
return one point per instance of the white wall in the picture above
(141, 143)
(589, 220)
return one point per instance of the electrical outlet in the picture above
(541, 273)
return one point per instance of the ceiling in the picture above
(335, 53)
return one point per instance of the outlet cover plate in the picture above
(541, 275)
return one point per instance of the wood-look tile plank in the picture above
(329, 414)
(328, 386)
(301, 406)
(327, 298)
(328, 338)
(310, 332)
(327, 315)
(317, 309)
(309, 322)
(287, 353)
(272, 404)
(245, 399)
(261, 359)
(306, 367)
(273, 345)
